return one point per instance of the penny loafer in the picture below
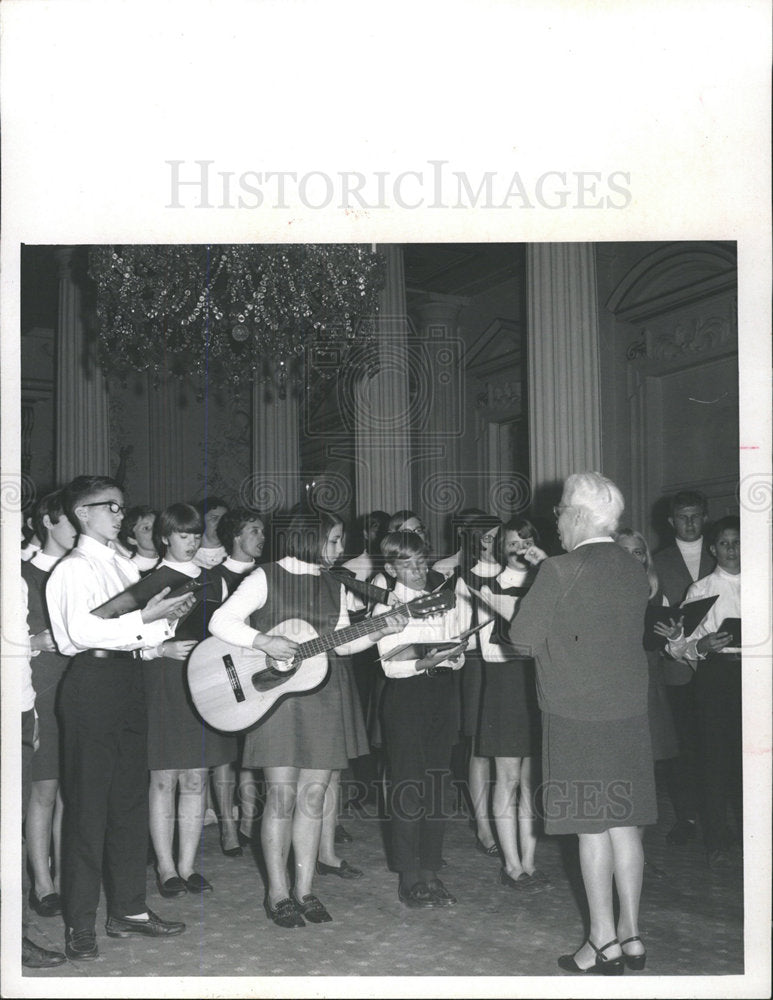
(285, 913)
(197, 883)
(154, 926)
(49, 906)
(442, 896)
(81, 945)
(344, 870)
(417, 897)
(310, 907)
(174, 886)
(35, 957)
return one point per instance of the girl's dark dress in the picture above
(178, 739)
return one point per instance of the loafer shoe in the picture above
(154, 926)
(344, 870)
(174, 886)
(49, 906)
(524, 882)
(310, 907)
(285, 913)
(232, 852)
(442, 896)
(342, 835)
(81, 945)
(197, 883)
(35, 957)
(417, 897)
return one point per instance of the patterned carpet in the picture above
(691, 921)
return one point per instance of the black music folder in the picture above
(692, 615)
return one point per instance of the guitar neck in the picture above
(323, 643)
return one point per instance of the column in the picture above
(563, 352)
(382, 405)
(439, 420)
(275, 481)
(83, 427)
(165, 443)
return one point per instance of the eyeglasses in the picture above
(115, 507)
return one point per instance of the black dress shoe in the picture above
(35, 957)
(417, 897)
(524, 882)
(49, 906)
(442, 896)
(232, 852)
(154, 926)
(344, 870)
(634, 962)
(81, 945)
(682, 831)
(174, 886)
(601, 967)
(285, 913)
(197, 883)
(342, 836)
(310, 907)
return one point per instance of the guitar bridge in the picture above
(233, 678)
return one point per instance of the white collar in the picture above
(44, 562)
(298, 566)
(486, 568)
(236, 566)
(91, 547)
(186, 568)
(592, 541)
(723, 574)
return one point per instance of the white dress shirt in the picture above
(87, 577)
(429, 630)
(728, 605)
(230, 621)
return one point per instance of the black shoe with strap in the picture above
(602, 966)
(634, 962)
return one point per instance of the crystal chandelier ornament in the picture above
(236, 314)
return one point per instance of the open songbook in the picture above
(692, 615)
(138, 594)
(418, 650)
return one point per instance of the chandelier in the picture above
(236, 314)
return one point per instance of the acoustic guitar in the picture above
(234, 687)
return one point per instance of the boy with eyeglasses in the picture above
(103, 718)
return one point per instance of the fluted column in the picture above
(382, 405)
(439, 417)
(165, 444)
(83, 428)
(275, 481)
(563, 353)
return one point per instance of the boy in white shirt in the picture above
(717, 663)
(420, 713)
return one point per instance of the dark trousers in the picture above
(682, 771)
(718, 690)
(105, 786)
(420, 716)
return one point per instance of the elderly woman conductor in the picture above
(582, 622)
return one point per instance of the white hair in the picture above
(598, 497)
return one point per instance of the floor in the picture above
(691, 920)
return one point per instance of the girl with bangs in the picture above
(181, 748)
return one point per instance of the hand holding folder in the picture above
(691, 616)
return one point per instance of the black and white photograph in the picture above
(372, 528)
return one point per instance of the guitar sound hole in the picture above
(270, 678)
